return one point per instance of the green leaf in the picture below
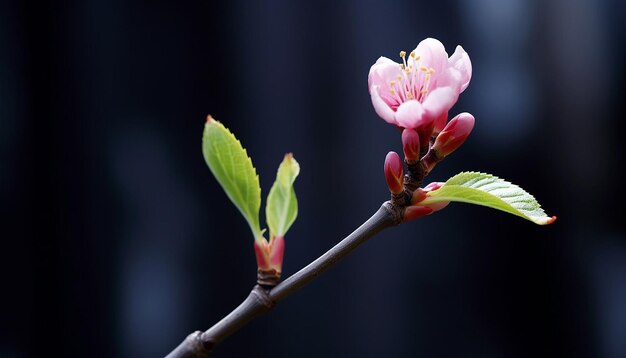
(232, 167)
(488, 190)
(281, 209)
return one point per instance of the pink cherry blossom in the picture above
(418, 92)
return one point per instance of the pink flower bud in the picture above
(454, 134)
(394, 174)
(411, 145)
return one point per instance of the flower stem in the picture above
(262, 299)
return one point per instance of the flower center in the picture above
(414, 80)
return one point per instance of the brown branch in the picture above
(262, 299)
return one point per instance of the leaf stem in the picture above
(262, 299)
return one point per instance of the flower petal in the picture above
(381, 107)
(432, 54)
(451, 77)
(439, 101)
(460, 60)
(383, 72)
(410, 114)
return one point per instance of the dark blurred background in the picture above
(117, 240)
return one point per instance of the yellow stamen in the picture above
(409, 95)
(403, 55)
(423, 69)
(393, 93)
(412, 54)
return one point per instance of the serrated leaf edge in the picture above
(540, 220)
(250, 217)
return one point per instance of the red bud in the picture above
(411, 145)
(454, 134)
(394, 174)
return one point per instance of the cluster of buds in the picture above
(415, 96)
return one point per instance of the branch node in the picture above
(396, 211)
(194, 346)
(262, 295)
(207, 344)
